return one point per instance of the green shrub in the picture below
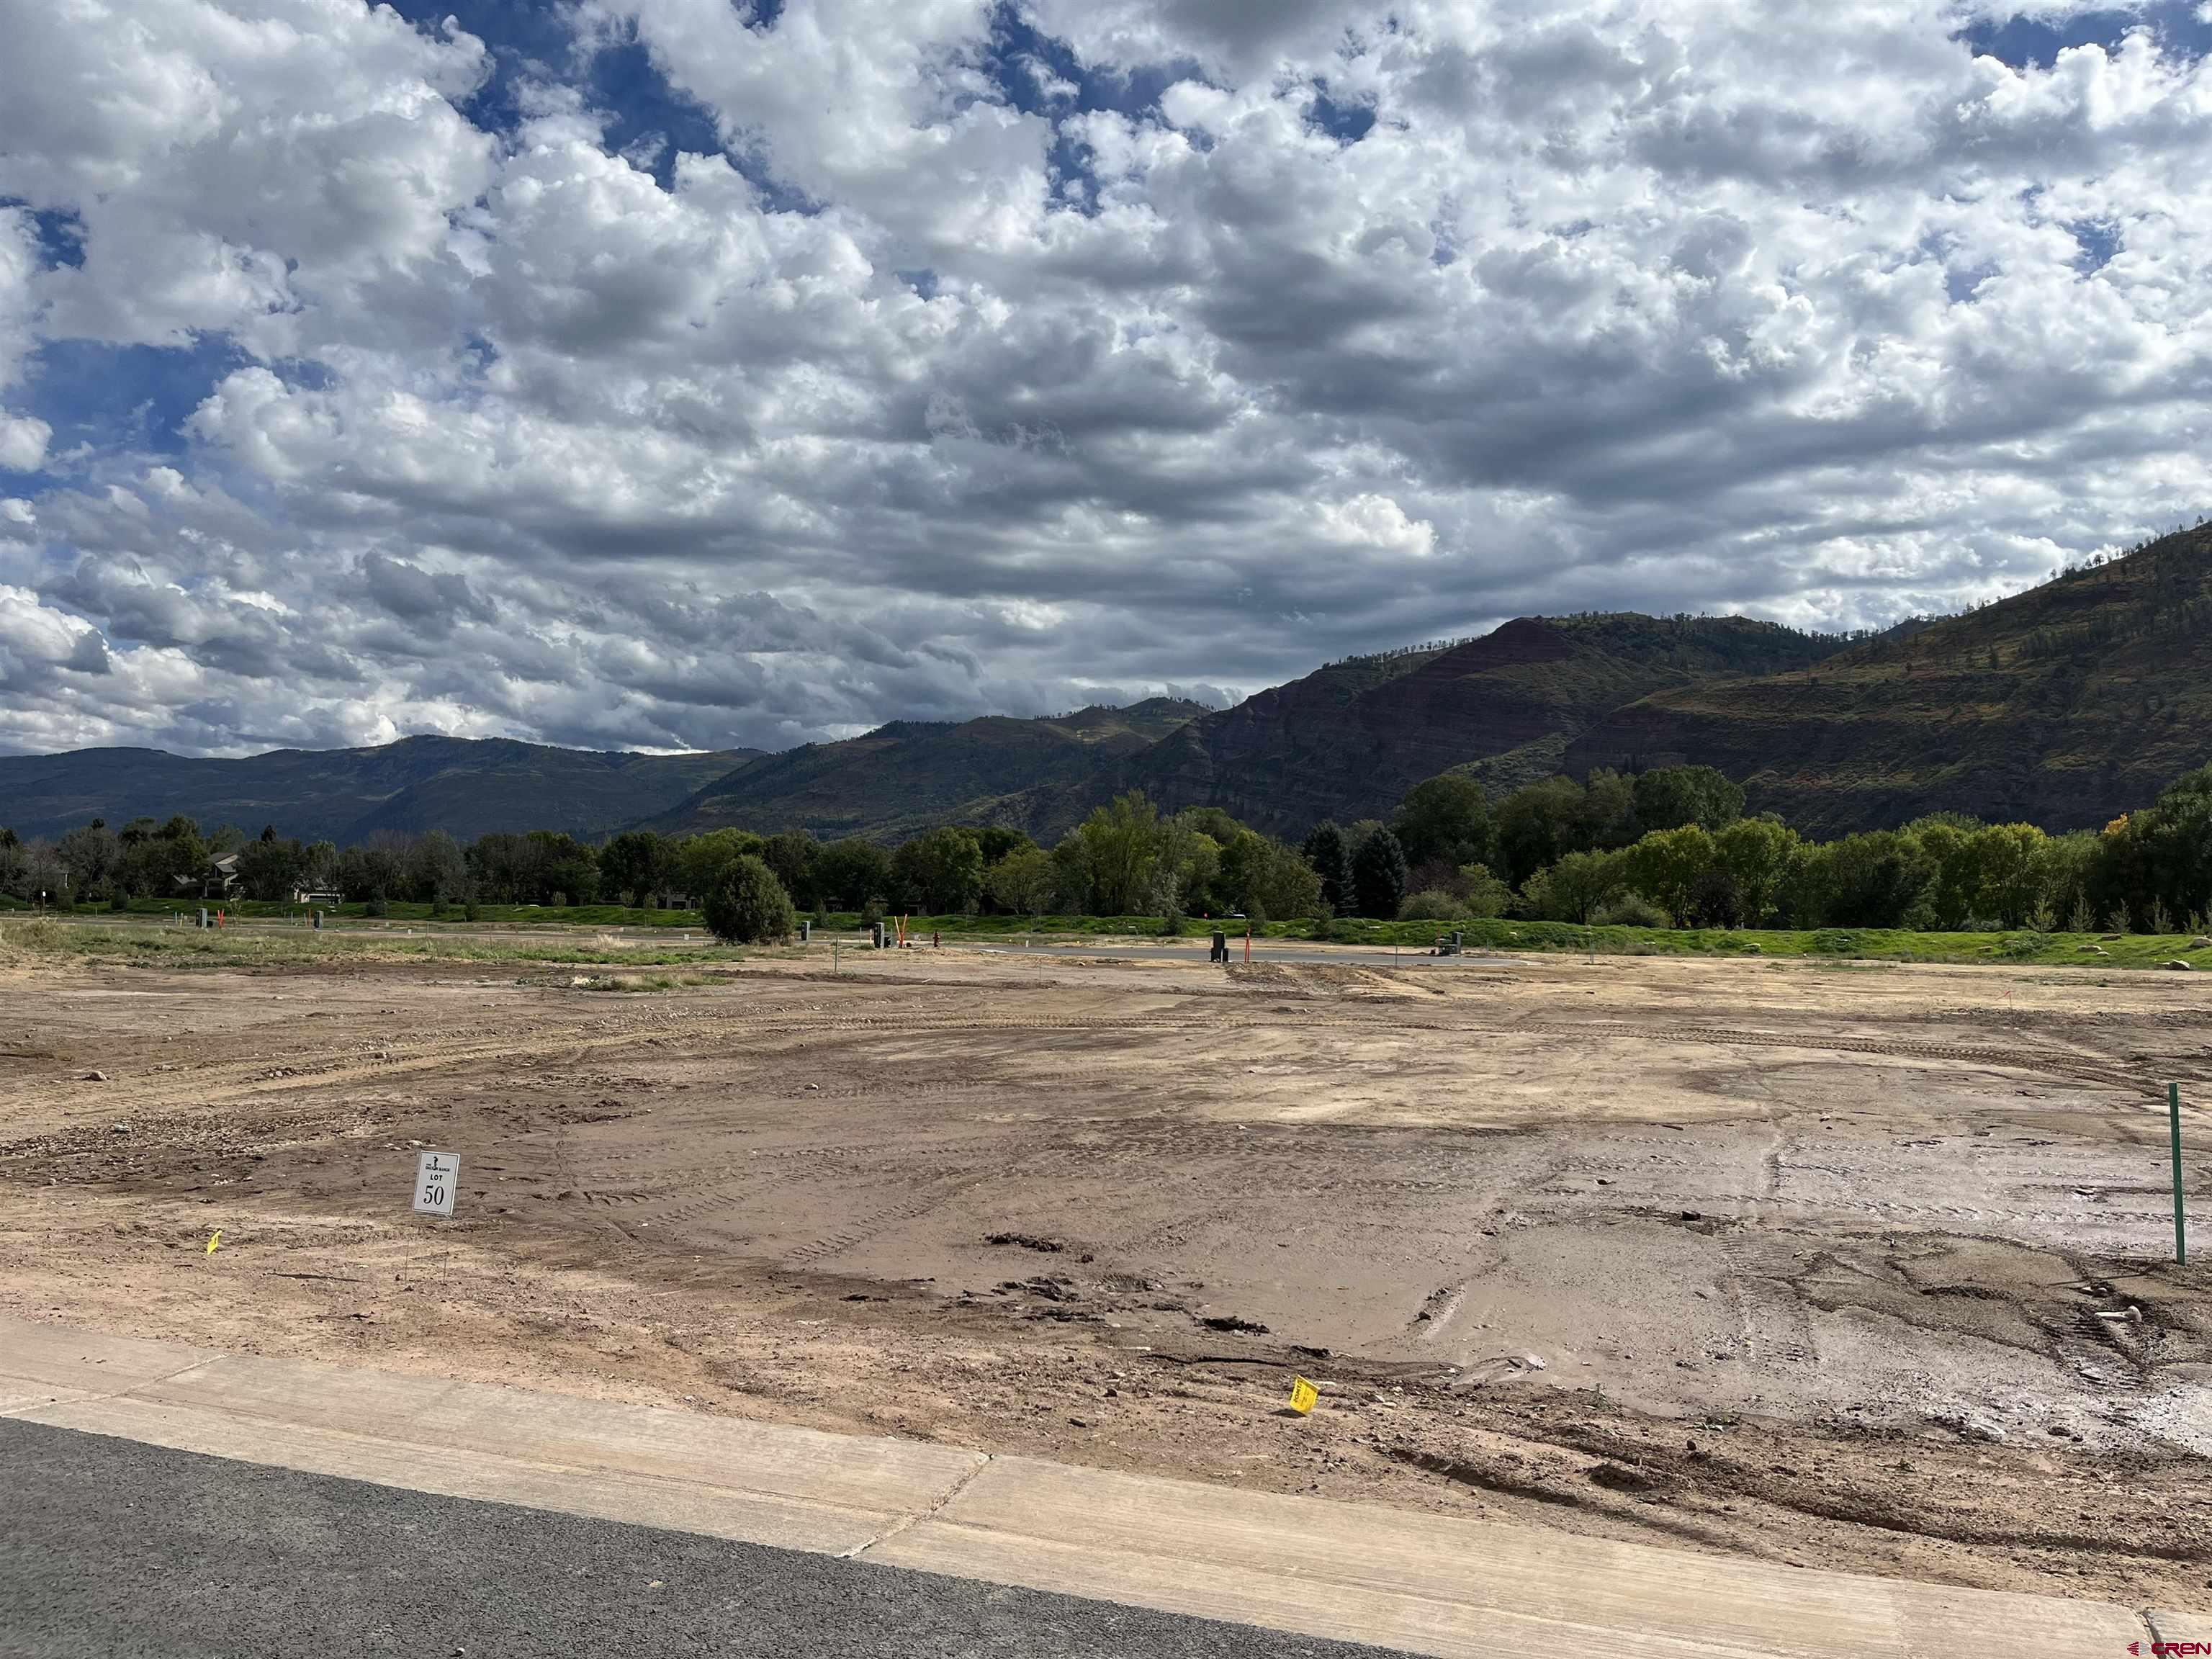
(1837, 942)
(1433, 904)
(750, 906)
(1630, 911)
(1487, 896)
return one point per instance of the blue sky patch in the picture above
(1020, 58)
(2099, 242)
(1133, 91)
(125, 397)
(626, 85)
(60, 233)
(1960, 281)
(2035, 43)
(531, 41)
(526, 39)
(1347, 123)
(649, 121)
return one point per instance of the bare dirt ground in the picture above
(1859, 1267)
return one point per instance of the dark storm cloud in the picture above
(417, 595)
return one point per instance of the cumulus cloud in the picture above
(693, 375)
(22, 442)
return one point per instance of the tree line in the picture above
(1673, 846)
(1670, 846)
(1125, 859)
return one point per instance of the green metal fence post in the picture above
(2173, 1122)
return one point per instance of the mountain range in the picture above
(1347, 741)
(2065, 706)
(469, 787)
(906, 776)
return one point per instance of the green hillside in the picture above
(910, 774)
(1348, 741)
(2064, 706)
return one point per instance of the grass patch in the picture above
(512, 915)
(1824, 944)
(641, 982)
(51, 939)
(566, 940)
(1837, 945)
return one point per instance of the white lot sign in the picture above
(435, 1176)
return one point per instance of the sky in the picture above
(685, 373)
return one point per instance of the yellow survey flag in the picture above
(1303, 1396)
(214, 1238)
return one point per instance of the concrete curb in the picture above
(1422, 1584)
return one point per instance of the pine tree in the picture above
(1327, 856)
(750, 906)
(1378, 876)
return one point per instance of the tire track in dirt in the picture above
(202, 1091)
(2112, 1072)
(878, 1221)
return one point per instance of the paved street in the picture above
(111, 1547)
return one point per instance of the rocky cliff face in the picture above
(2063, 707)
(1348, 741)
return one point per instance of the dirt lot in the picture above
(1856, 1266)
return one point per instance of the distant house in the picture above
(218, 880)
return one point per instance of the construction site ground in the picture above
(1858, 1265)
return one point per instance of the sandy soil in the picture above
(1864, 1266)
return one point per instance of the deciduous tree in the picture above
(1446, 818)
(1120, 846)
(1672, 797)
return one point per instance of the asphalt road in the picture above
(112, 1548)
